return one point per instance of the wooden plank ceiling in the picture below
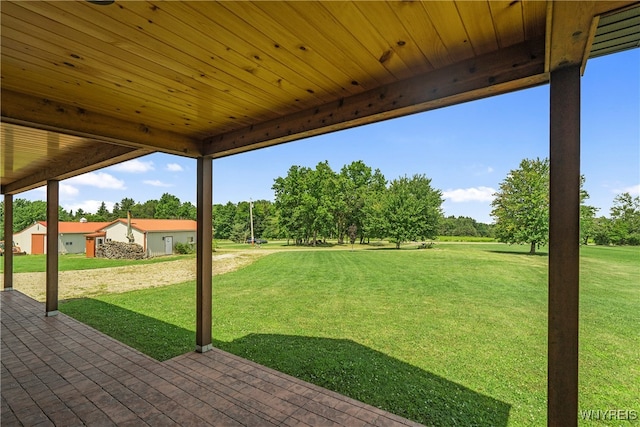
(86, 85)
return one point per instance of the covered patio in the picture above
(58, 371)
(88, 84)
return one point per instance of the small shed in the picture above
(157, 236)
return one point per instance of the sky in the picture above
(466, 150)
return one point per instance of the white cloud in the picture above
(489, 169)
(134, 166)
(634, 190)
(99, 180)
(473, 194)
(157, 183)
(89, 206)
(174, 167)
(67, 190)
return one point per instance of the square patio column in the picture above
(204, 253)
(8, 242)
(564, 248)
(51, 303)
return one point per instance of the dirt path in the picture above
(87, 283)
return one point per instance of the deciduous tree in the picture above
(521, 205)
(625, 220)
(412, 209)
(168, 207)
(223, 216)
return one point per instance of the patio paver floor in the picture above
(58, 371)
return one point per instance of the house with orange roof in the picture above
(71, 236)
(157, 236)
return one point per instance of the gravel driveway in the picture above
(87, 283)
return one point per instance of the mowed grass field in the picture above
(455, 335)
(38, 263)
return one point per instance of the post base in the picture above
(203, 348)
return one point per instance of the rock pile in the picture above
(120, 250)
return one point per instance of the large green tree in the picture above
(411, 209)
(289, 192)
(26, 213)
(314, 203)
(168, 207)
(102, 214)
(374, 224)
(120, 209)
(223, 216)
(145, 210)
(319, 199)
(262, 212)
(587, 215)
(602, 231)
(188, 211)
(521, 205)
(358, 183)
(625, 220)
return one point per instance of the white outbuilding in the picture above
(157, 236)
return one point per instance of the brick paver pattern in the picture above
(58, 371)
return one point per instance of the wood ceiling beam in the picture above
(571, 26)
(100, 156)
(40, 113)
(510, 69)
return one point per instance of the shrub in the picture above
(184, 248)
(602, 239)
(633, 239)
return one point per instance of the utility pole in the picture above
(253, 241)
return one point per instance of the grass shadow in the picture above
(370, 376)
(341, 365)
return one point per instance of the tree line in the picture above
(315, 204)
(231, 221)
(357, 203)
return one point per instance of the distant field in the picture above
(281, 244)
(455, 335)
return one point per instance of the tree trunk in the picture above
(532, 251)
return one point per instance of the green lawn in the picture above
(449, 336)
(38, 263)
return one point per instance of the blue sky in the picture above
(466, 150)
